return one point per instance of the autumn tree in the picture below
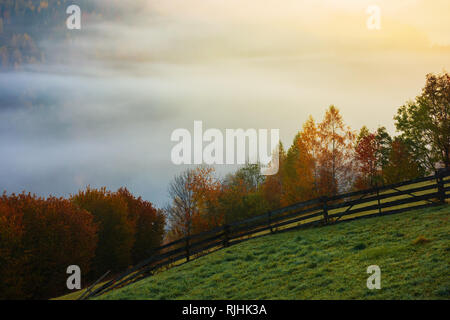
(250, 175)
(335, 168)
(425, 124)
(12, 256)
(402, 165)
(207, 190)
(311, 140)
(148, 223)
(182, 209)
(272, 188)
(384, 143)
(200, 201)
(365, 153)
(242, 195)
(116, 232)
(300, 167)
(40, 238)
(371, 153)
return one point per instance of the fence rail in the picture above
(384, 200)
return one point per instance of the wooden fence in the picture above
(385, 200)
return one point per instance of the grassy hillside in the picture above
(412, 249)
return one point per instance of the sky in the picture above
(108, 101)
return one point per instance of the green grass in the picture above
(412, 249)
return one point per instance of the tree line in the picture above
(325, 158)
(96, 229)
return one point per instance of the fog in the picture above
(101, 108)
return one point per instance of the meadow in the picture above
(330, 262)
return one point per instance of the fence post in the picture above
(440, 185)
(226, 235)
(378, 198)
(325, 209)
(270, 222)
(187, 248)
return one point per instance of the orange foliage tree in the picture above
(371, 153)
(12, 258)
(365, 150)
(272, 188)
(206, 191)
(116, 231)
(147, 222)
(335, 167)
(299, 170)
(43, 237)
